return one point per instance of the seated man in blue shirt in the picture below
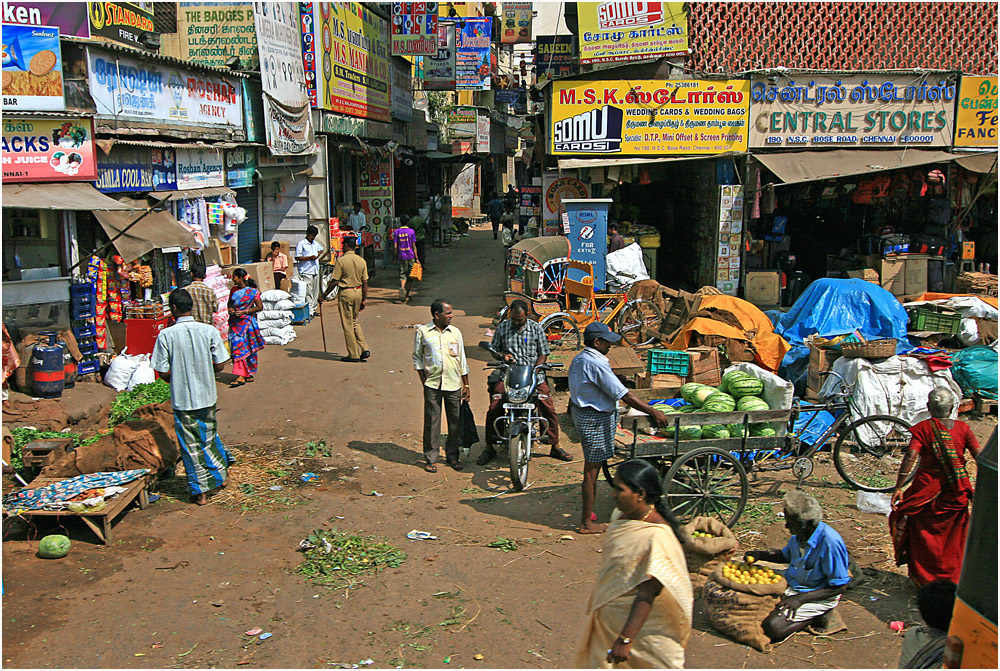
(817, 571)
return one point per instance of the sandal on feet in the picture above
(431, 468)
(560, 454)
(237, 383)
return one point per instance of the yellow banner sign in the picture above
(650, 117)
(976, 120)
(631, 31)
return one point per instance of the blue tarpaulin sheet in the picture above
(832, 307)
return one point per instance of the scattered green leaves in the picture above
(340, 559)
(317, 448)
(127, 402)
(505, 544)
(23, 435)
(457, 617)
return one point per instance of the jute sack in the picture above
(704, 555)
(738, 610)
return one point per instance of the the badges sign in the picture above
(649, 117)
(976, 119)
(630, 31)
(414, 28)
(32, 68)
(209, 33)
(48, 150)
(123, 22)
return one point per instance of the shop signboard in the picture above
(472, 59)
(515, 26)
(465, 201)
(355, 127)
(730, 239)
(555, 56)
(976, 118)
(200, 168)
(210, 33)
(124, 169)
(240, 166)
(531, 203)
(163, 162)
(414, 28)
(353, 65)
(288, 122)
(32, 68)
(48, 150)
(123, 22)
(69, 17)
(588, 234)
(866, 111)
(462, 116)
(482, 132)
(439, 70)
(128, 89)
(402, 90)
(612, 32)
(649, 117)
(556, 188)
(307, 28)
(375, 192)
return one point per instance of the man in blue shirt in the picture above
(817, 571)
(495, 210)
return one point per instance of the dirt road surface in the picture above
(180, 585)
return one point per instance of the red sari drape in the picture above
(930, 524)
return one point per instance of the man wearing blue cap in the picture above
(594, 392)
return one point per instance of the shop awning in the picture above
(186, 194)
(567, 163)
(986, 162)
(810, 166)
(59, 196)
(452, 158)
(280, 171)
(154, 231)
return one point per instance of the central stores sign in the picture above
(650, 117)
(854, 111)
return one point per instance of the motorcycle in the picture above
(520, 426)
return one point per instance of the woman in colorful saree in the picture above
(244, 335)
(929, 521)
(640, 610)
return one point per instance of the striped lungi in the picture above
(206, 461)
(597, 432)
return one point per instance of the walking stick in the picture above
(322, 326)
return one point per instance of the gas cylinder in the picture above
(47, 367)
(69, 365)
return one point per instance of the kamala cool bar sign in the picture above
(856, 111)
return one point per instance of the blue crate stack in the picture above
(83, 316)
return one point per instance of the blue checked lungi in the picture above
(597, 432)
(206, 461)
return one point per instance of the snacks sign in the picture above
(32, 68)
(48, 150)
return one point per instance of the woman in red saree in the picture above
(244, 334)
(929, 521)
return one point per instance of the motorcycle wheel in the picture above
(520, 455)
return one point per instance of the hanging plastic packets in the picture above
(102, 305)
(93, 265)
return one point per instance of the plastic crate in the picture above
(300, 313)
(82, 289)
(85, 331)
(933, 318)
(85, 367)
(87, 347)
(84, 315)
(81, 302)
(667, 361)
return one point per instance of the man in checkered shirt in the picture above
(521, 341)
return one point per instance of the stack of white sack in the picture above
(275, 320)
(222, 286)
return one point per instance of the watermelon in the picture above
(731, 376)
(761, 430)
(735, 430)
(689, 408)
(53, 546)
(719, 402)
(746, 386)
(701, 395)
(688, 390)
(690, 432)
(752, 404)
(714, 431)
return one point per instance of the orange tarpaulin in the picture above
(756, 329)
(935, 296)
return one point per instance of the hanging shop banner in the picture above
(515, 27)
(461, 116)
(124, 169)
(355, 127)
(125, 88)
(123, 22)
(307, 28)
(472, 58)
(240, 166)
(853, 111)
(730, 238)
(287, 117)
(200, 168)
(402, 90)
(483, 132)
(32, 68)
(554, 190)
(976, 118)
(414, 28)
(69, 17)
(210, 33)
(48, 150)
(650, 117)
(163, 162)
(375, 192)
(555, 56)
(588, 234)
(612, 32)
(439, 69)
(531, 202)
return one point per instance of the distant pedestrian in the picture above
(617, 241)
(357, 221)
(188, 355)
(351, 275)
(404, 239)
(495, 211)
(244, 333)
(439, 358)
(419, 226)
(206, 303)
(279, 264)
(307, 254)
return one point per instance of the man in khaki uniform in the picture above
(351, 275)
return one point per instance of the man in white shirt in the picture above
(357, 221)
(307, 254)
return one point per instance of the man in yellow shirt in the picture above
(439, 358)
(351, 275)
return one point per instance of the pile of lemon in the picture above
(750, 575)
(702, 534)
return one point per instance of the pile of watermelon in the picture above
(738, 391)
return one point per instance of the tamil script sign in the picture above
(631, 31)
(976, 120)
(48, 150)
(650, 117)
(414, 28)
(353, 62)
(852, 111)
(210, 33)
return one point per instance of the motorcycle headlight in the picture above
(518, 395)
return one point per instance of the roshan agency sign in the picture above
(976, 119)
(628, 31)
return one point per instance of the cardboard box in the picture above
(286, 285)
(820, 361)
(262, 273)
(705, 367)
(915, 275)
(867, 274)
(763, 287)
(228, 253)
(286, 247)
(213, 254)
(892, 275)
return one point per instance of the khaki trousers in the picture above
(349, 302)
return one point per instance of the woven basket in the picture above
(872, 349)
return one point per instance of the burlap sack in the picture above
(704, 555)
(738, 610)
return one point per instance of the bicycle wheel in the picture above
(562, 333)
(707, 482)
(519, 450)
(869, 452)
(637, 315)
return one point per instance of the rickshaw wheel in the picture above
(635, 316)
(707, 482)
(562, 333)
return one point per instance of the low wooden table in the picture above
(99, 521)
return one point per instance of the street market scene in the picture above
(499, 334)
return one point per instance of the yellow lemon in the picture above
(751, 559)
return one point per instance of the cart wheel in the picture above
(636, 316)
(707, 482)
(562, 333)
(869, 452)
(610, 467)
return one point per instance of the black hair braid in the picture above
(641, 476)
